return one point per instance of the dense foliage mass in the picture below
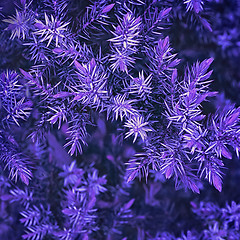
(115, 122)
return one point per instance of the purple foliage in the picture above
(99, 100)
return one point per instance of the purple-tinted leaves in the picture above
(198, 118)
(206, 64)
(38, 232)
(211, 169)
(71, 174)
(232, 214)
(95, 18)
(76, 140)
(96, 183)
(132, 175)
(206, 76)
(233, 117)
(195, 139)
(121, 60)
(62, 95)
(215, 231)
(15, 106)
(174, 76)
(225, 152)
(199, 72)
(125, 42)
(206, 24)
(217, 181)
(202, 97)
(128, 205)
(195, 5)
(124, 214)
(18, 167)
(169, 172)
(163, 48)
(77, 135)
(58, 50)
(23, 2)
(59, 114)
(25, 176)
(224, 125)
(68, 211)
(223, 223)
(137, 126)
(79, 67)
(121, 107)
(141, 85)
(172, 63)
(192, 91)
(19, 111)
(79, 207)
(136, 101)
(25, 196)
(164, 13)
(79, 96)
(27, 75)
(39, 25)
(137, 166)
(52, 31)
(173, 165)
(108, 8)
(92, 87)
(155, 21)
(20, 24)
(31, 216)
(193, 186)
(161, 57)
